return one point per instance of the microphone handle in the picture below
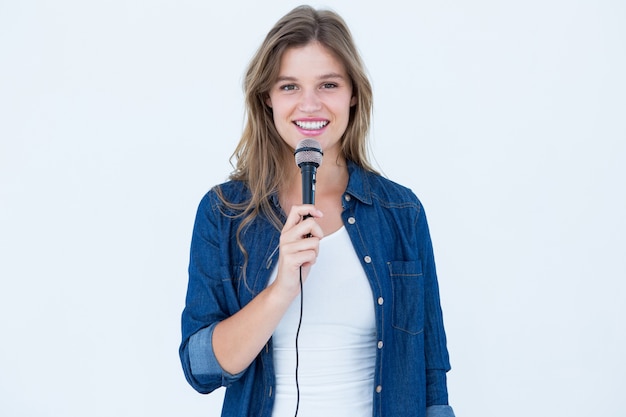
(308, 183)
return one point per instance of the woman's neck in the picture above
(331, 178)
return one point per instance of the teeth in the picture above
(311, 125)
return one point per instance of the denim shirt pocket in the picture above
(407, 286)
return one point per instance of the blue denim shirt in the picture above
(388, 228)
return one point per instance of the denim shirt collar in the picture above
(358, 186)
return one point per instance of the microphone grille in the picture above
(309, 151)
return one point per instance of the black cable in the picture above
(298, 334)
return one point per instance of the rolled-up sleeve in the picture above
(439, 411)
(202, 361)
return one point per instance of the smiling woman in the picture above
(312, 98)
(373, 341)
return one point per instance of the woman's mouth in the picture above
(311, 125)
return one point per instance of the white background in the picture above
(508, 120)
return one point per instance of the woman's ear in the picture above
(353, 101)
(268, 101)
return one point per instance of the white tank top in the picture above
(337, 342)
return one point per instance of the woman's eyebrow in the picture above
(330, 75)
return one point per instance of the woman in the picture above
(371, 340)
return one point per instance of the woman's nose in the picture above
(309, 101)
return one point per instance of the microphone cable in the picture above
(297, 335)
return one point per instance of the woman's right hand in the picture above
(299, 246)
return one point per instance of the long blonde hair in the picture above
(261, 153)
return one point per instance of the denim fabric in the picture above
(388, 228)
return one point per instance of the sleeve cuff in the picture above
(439, 411)
(202, 359)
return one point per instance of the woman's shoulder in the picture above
(383, 188)
(233, 191)
(227, 194)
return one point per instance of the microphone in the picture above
(308, 156)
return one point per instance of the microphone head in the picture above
(309, 151)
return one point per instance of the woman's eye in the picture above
(329, 85)
(288, 87)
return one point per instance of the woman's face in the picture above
(311, 97)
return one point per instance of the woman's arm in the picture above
(216, 348)
(238, 339)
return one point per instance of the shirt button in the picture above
(367, 260)
(346, 197)
(380, 344)
(381, 300)
(379, 389)
(351, 220)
